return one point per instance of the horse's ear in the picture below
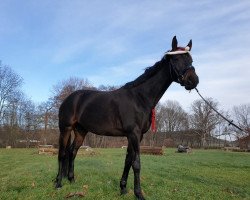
(174, 44)
(190, 45)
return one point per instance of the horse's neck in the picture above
(153, 89)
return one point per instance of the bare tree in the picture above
(30, 121)
(241, 114)
(171, 117)
(204, 119)
(19, 118)
(159, 110)
(66, 87)
(10, 83)
(48, 120)
(107, 88)
(48, 111)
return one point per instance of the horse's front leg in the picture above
(127, 166)
(136, 165)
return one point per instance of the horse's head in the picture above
(182, 69)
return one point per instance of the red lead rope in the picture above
(153, 124)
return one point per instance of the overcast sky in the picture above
(112, 42)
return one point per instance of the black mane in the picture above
(148, 73)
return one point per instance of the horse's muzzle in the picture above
(190, 80)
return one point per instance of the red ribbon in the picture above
(153, 124)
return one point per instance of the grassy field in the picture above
(203, 174)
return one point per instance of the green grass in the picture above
(203, 174)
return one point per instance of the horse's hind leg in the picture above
(78, 140)
(64, 142)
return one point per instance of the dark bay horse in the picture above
(123, 112)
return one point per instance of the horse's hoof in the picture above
(141, 198)
(58, 186)
(124, 191)
(71, 180)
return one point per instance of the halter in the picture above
(180, 76)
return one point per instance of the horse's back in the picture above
(103, 113)
(69, 107)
